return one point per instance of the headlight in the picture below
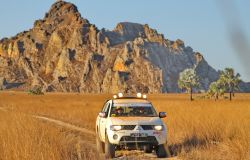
(158, 127)
(115, 127)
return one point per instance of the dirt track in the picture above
(91, 143)
(130, 155)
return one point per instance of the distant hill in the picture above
(66, 53)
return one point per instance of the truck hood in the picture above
(135, 121)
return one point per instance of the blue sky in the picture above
(200, 24)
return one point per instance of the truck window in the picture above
(106, 108)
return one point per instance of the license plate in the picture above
(138, 134)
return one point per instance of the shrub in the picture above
(36, 91)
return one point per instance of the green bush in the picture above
(36, 91)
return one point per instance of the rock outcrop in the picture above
(66, 53)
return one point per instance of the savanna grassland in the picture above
(201, 129)
(25, 138)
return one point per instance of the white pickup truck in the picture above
(130, 123)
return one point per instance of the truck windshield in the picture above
(132, 110)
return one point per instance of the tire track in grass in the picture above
(91, 144)
(77, 131)
(64, 124)
(132, 154)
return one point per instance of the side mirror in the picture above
(102, 114)
(162, 114)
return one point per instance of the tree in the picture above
(215, 90)
(188, 80)
(230, 81)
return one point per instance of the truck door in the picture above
(103, 120)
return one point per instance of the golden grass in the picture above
(25, 138)
(78, 109)
(202, 129)
(206, 129)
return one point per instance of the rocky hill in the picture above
(65, 52)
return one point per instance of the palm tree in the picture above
(188, 80)
(215, 90)
(229, 80)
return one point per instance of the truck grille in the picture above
(128, 127)
(128, 139)
(147, 127)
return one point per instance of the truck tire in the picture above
(99, 145)
(147, 149)
(161, 151)
(109, 149)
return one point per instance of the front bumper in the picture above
(124, 137)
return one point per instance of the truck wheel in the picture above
(148, 149)
(161, 151)
(109, 149)
(99, 145)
